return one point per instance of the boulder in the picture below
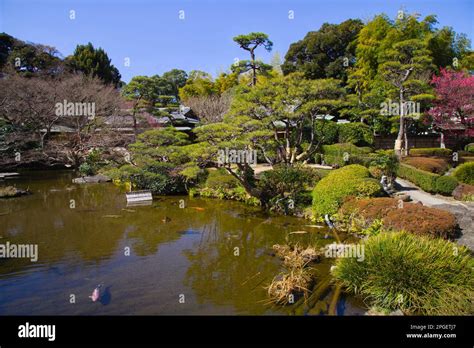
(91, 179)
(462, 191)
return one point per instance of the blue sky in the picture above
(155, 39)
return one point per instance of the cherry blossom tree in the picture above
(453, 108)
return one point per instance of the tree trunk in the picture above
(254, 68)
(248, 188)
(401, 130)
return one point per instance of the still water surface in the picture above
(83, 234)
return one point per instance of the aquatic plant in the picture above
(8, 191)
(288, 286)
(296, 256)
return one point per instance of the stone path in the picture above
(463, 211)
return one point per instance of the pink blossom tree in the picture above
(453, 110)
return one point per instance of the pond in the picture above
(179, 255)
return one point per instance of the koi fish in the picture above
(96, 293)
(198, 208)
(298, 232)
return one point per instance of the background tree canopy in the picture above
(322, 53)
(95, 62)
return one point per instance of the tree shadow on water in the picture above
(106, 297)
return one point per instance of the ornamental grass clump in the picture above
(418, 275)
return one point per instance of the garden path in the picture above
(463, 211)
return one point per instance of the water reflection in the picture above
(214, 252)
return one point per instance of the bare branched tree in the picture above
(29, 106)
(210, 109)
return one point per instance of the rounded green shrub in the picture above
(415, 274)
(465, 173)
(368, 188)
(469, 148)
(332, 190)
(356, 133)
(291, 182)
(287, 179)
(445, 185)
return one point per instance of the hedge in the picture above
(427, 181)
(445, 185)
(334, 154)
(422, 179)
(332, 190)
(429, 164)
(431, 151)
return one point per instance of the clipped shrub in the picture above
(367, 188)
(287, 182)
(417, 275)
(429, 164)
(335, 154)
(464, 158)
(464, 192)
(424, 180)
(351, 180)
(445, 185)
(287, 179)
(356, 133)
(283, 183)
(465, 173)
(396, 216)
(431, 151)
(469, 148)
